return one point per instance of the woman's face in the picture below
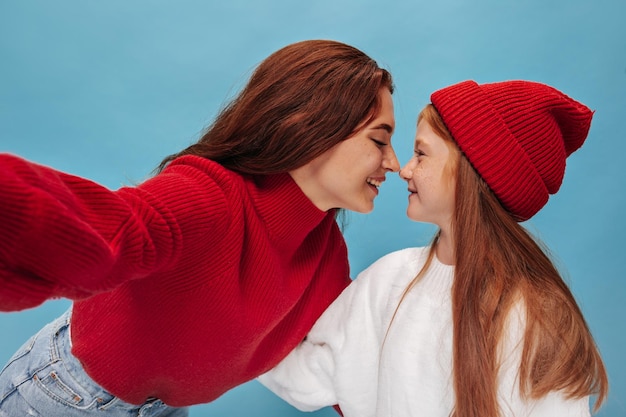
(430, 179)
(349, 174)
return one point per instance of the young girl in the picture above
(480, 323)
(208, 274)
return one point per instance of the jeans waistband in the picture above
(61, 350)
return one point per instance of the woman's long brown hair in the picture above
(299, 102)
(497, 263)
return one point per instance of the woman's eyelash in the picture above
(378, 142)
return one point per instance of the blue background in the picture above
(106, 89)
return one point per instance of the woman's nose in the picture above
(390, 162)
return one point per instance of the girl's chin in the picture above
(414, 215)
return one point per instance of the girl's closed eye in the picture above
(379, 143)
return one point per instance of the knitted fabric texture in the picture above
(517, 135)
(186, 285)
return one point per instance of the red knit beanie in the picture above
(517, 135)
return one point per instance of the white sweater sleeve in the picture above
(338, 362)
(304, 377)
(512, 402)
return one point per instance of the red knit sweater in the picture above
(189, 284)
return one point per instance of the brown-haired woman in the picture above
(479, 323)
(207, 274)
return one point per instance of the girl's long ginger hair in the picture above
(299, 102)
(498, 263)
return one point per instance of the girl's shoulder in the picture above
(407, 258)
(395, 268)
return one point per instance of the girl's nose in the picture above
(406, 173)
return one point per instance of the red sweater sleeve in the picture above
(65, 236)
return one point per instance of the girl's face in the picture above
(348, 175)
(430, 178)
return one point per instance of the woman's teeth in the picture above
(374, 182)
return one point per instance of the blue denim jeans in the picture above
(44, 379)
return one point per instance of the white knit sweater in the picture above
(344, 360)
